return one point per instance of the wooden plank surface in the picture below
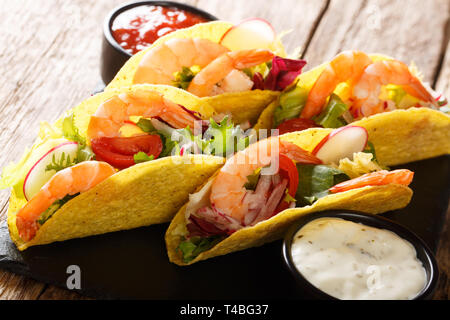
(299, 17)
(49, 57)
(403, 29)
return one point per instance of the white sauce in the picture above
(349, 260)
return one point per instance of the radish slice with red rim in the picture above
(341, 143)
(38, 175)
(249, 34)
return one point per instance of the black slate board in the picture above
(134, 264)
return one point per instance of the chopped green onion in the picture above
(331, 116)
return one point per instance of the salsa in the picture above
(138, 27)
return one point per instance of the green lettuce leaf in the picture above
(224, 139)
(314, 182)
(70, 130)
(146, 126)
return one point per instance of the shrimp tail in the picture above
(249, 58)
(298, 154)
(345, 67)
(378, 178)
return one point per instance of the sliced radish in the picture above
(249, 34)
(38, 176)
(341, 143)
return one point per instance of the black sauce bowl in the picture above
(424, 254)
(113, 56)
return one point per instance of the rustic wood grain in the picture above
(443, 258)
(297, 16)
(443, 78)
(15, 287)
(443, 253)
(48, 64)
(55, 293)
(409, 30)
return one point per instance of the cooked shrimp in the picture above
(367, 89)
(116, 111)
(228, 191)
(346, 66)
(235, 81)
(205, 81)
(378, 178)
(159, 64)
(78, 178)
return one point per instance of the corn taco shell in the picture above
(141, 195)
(243, 106)
(401, 136)
(370, 199)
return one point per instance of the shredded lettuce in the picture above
(220, 139)
(14, 174)
(70, 131)
(224, 139)
(331, 116)
(291, 105)
(192, 247)
(362, 163)
(49, 137)
(314, 182)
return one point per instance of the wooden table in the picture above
(49, 57)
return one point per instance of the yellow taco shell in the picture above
(142, 195)
(401, 136)
(243, 106)
(370, 199)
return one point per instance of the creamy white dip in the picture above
(350, 260)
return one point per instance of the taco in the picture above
(405, 118)
(261, 191)
(241, 81)
(120, 160)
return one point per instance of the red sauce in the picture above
(138, 27)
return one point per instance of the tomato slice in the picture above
(288, 170)
(297, 124)
(119, 151)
